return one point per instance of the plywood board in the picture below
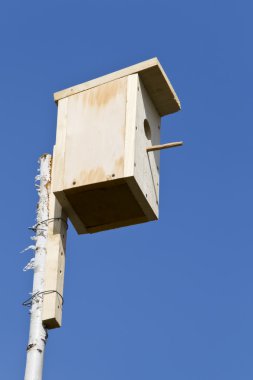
(54, 265)
(94, 147)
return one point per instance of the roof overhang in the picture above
(152, 76)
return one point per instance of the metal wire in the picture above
(32, 299)
(35, 228)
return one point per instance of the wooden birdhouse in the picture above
(104, 175)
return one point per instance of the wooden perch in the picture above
(164, 146)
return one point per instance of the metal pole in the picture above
(38, 333)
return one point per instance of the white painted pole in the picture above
(38, 333)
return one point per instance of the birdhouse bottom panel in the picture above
(108, 205)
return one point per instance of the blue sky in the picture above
(165, 300)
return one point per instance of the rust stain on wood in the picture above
(101, 95)
(98, 174)
(92, 176)
(119, 167)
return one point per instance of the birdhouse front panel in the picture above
(95, 140)
(103, 176)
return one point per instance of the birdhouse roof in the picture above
(152, 76)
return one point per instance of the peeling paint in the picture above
(30, 265)
(31, 345)
(30, 247)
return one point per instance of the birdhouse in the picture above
(105, 172)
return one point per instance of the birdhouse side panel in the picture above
(59, 148)
(95, 135)
(146, 167)
(131, 110)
